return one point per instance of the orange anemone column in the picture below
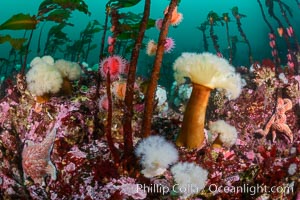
(192, 131)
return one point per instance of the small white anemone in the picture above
(189, 175)
(292, 169)
(151, 48)
(85, 64)
(156, 155)
(227, 133)
(161, 95)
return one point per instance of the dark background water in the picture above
(187, 37)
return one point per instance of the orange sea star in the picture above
(278, 120)
(36, 161)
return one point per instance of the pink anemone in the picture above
(112, 64)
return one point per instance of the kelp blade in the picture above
(20, 22)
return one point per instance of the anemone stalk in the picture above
(192, 130)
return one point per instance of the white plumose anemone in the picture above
(156, 155)
(69, 70)
(45, 59)
(227, 133)
(208, 70)
(191, 178)
(43, 78)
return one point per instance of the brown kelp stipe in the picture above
(114, 151)
(129, 96)
(192, 131)
(149, 100)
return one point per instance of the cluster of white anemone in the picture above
(157, 154)
(46, 76)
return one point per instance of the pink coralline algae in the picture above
(278, 120)
(8, 141)
(130, 190)
(4, 108)
(36, 161)
(126, 186)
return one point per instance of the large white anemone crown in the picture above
(208, 70)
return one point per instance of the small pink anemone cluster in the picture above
(114, 66)
(118, 91)
(169, 45)
(176, 18)
(152, 46)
